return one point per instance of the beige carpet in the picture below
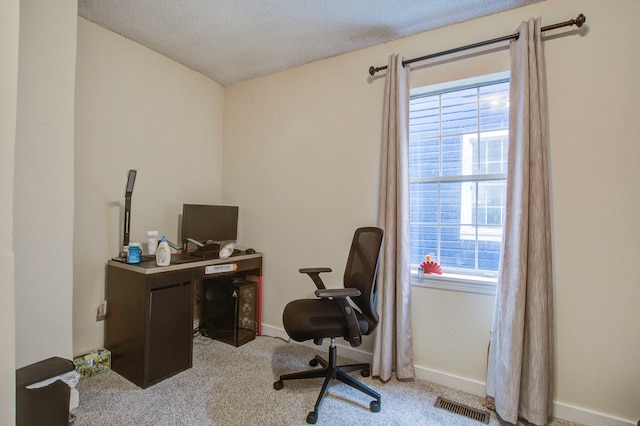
(234, 386)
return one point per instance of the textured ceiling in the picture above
(235, 40)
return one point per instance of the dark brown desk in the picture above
(150, 312)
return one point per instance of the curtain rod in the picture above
(579, 21)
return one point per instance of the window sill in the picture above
(455, 282)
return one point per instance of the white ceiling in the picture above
(235, 40)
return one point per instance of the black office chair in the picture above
(331, 315)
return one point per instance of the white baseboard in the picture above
(464, 384)
(271, 331)
(588, 417)
(561, 410)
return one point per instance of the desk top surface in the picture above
(179, 263)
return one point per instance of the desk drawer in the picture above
(252, 266)
(169, 279)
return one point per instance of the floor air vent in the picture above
(463, 410)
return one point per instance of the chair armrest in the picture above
(314, 274)
(337, 292)
(314, 270)
(339, 296)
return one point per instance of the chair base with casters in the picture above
(330, 370)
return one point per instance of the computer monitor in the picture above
(209, 224)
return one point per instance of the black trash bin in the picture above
(48, 405)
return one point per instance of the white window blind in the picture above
(458, 163)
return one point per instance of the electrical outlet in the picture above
(102, 311)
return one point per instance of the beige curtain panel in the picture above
(520, 368)
(393, 348)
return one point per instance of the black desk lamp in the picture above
(127, 210)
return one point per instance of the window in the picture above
(458, 142)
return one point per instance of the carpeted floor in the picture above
(234, 386)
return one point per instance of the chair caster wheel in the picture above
(312, 417)
(313, 362)
(375, 406)
(365, 372)
(278, 385)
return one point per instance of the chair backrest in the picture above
(361, 271)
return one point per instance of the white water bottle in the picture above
(163, 253)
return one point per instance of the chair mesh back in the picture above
(361, 270)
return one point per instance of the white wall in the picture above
(9, 29)
(135, 109)
(43, 192)
(301, 157)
